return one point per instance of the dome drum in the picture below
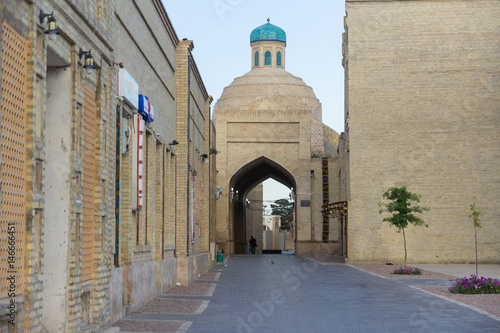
(268, 44)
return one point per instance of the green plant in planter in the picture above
(214, 151)
(401, 206)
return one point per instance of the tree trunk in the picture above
(404, 238)
(475, 243)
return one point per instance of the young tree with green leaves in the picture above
(402, 208)
(475, 219)
(283, 208)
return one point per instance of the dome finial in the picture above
(268, 19)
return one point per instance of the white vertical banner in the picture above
(201, 209)
(193, 215)
(138, 162)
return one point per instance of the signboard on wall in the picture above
(128, 88)
(146, 109)
(305, 203)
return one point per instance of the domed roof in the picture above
(268, 89)
(268, 31)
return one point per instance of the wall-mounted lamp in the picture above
(89, 60)
(219, 192)
(312, 173)
(52, 25)
(173, 143)
(204, 158)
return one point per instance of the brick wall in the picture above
(43, 55)
(422, 111)
(146, 49)
(192, 128)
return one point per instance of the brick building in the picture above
(57, 162)
(167, 241)
(105, 210)
(422, 110)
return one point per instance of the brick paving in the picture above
(148, 325)
(200, 289)
(285, 293)
(210, 276)
(174, 311)
(161, 305)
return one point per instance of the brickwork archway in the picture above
(242, 182)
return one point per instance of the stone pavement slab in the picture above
(254, 294)
(287, 293)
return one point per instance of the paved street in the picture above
(254, 295)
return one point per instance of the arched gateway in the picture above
(241, 184)
(269, 125)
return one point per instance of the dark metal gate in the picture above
(339, 210)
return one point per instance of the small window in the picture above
(256, 59)
(278, 59)
(267, 58)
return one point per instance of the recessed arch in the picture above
(260, 169)
(241, 183)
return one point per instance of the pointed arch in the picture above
(260, 169)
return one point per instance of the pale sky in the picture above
(220, 30)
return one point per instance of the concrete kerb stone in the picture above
(457, 302)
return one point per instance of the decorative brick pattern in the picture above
(13, 161)
(89, 177)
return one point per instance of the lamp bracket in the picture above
(42, 15)
(81, 53)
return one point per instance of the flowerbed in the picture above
(407, 271)
(475, 285)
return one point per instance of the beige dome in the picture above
(269, 89)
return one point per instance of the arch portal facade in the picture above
(269, 125)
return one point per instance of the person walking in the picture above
(253, 244)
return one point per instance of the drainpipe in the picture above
(209, 178)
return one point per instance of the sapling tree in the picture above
(401, 205)
(475, 219)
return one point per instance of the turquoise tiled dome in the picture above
(268, 31)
